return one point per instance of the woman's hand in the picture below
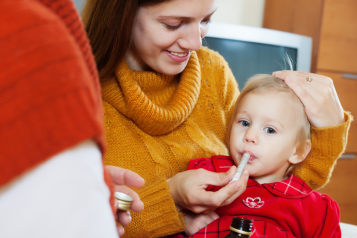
(195, 222)
(322, 106)
(188, 189)
(122, 178)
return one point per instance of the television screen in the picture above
(248, 58)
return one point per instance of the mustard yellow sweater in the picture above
(155, 124)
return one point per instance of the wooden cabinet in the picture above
(338, 37)
(333, 26)
(342, 189)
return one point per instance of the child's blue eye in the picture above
(269, 130)
(244, 123)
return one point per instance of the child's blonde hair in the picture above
(265, 83)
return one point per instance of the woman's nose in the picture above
(191, 39)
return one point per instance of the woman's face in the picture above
(165, 34)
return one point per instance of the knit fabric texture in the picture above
(155, 124)
(49, 88)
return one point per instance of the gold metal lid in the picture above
(124, 200)
(122, 206)
(240, 231)
(123, 197)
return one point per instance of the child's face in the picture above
(266, 127)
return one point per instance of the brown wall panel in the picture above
(301, 17)
(342, 189)
(338, 41)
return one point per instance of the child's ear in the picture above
(301, 151)
(307, 147)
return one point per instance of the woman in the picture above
(167, 101)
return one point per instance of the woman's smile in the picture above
(178, 57)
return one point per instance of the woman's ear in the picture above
(301, 151)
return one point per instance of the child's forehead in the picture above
(271, 96)
(278, 105)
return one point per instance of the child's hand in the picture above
(195, 222)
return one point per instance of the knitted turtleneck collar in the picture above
(157, 103)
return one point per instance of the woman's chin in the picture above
(171, 69)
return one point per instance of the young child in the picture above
(269, 123)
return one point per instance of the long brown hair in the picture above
(109, 25)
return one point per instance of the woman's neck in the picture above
(136, 63)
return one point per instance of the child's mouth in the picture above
(251, 158)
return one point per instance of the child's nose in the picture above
(250, 137)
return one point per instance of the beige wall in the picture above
(241, 12)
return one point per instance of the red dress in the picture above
(289, 208)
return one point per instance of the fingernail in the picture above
(237, 186)
(277, 73)
(121, 230)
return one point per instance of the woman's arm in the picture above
(329, 124)
(327, 146)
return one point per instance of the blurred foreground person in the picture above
(52, 179)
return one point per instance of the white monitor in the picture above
(253, 50)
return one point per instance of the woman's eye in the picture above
(244, 123)
(269, 130)
(170, 27)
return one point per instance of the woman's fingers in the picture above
(215, 199)
(318, 89)
(122, 176)
(213, 215)
(302, 76)
(297, 82)
(217, 179)
(188, 189)
(210, 200)
(120, 230)
(123, 217)
(137, 205)
(319, 97)
(244, 179)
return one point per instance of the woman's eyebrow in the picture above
(184, 17)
